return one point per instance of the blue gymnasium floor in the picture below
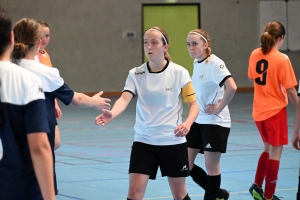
(92, 162)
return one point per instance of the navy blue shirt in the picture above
(24, 112)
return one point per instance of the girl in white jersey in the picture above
(159, 131)
(214, 88)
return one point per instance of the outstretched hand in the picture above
(101, 103)
(104, 118)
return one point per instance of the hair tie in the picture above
(154, 29)
(199, 35)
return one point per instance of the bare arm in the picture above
(120, 105)
(292, 94)
(184, 128)
(230, 89)
(97, 102)
(41, 155)
(296, 135)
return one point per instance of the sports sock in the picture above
(199, 176)
(213, 187)
(271, 178)
(187, 197)
(261, 169)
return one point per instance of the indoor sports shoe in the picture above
(273, 198)
(224, 195)
(256, 192)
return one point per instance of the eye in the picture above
(194, 44)
(188, 44)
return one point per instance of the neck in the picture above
(31, 54)
(157, 66)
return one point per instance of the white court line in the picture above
(199, 195)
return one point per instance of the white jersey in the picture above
(159, 105)
(208, 81)
(299, 88)
(50, 76)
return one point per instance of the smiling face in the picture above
(46, 37)
(197, 46)
(153, 45)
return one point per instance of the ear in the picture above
(12, 38)
(166, 47)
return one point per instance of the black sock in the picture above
(187, 197)
(199, 176)
(213, 187)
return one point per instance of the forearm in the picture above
(297, 119)
(43, 167)
(229, 93)
(292, 95)
(82, 101)
(193, 112)
(119, 106)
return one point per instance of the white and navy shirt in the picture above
(208, 82)
(24, 112)
(53, 86)
(159, 104)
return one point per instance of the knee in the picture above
(135, 193)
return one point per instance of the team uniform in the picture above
(158, 111)
(43, 57)
(271, 74)
(210, 132)
(54, 87)
(24, 112)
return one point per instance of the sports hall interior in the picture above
(90, 48)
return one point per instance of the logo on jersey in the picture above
(139, 73)
(222, 66)
(201, 76)
(170, 89)
(40, 90)
(208, 146)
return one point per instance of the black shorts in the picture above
(208, 137)
(172, 160)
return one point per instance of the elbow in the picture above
(41, 149)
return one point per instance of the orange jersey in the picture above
(272, 74)
(44, 58)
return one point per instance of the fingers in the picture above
(100, 93)
(181, 131)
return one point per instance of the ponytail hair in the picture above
(165, 39)
(28, 33)
(273, 31)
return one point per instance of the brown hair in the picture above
(273, 31)
(44, 24)
(165, 34)
(28, 32)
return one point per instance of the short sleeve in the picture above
(36, 117)
(186, 78)
(130, 85)
(288, 78)
(65, 94)
(220, 74)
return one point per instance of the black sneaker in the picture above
(274, 197)
(224, 195)
(256, 192)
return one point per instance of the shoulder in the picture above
(138, 70)
(176, 67)
(216, 61)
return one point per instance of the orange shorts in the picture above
(274, 130)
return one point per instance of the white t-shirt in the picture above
(159, 104)
(208, 81)
(50, 76)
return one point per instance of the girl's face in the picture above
(196, 46)
(46, 38)
(153, 45)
